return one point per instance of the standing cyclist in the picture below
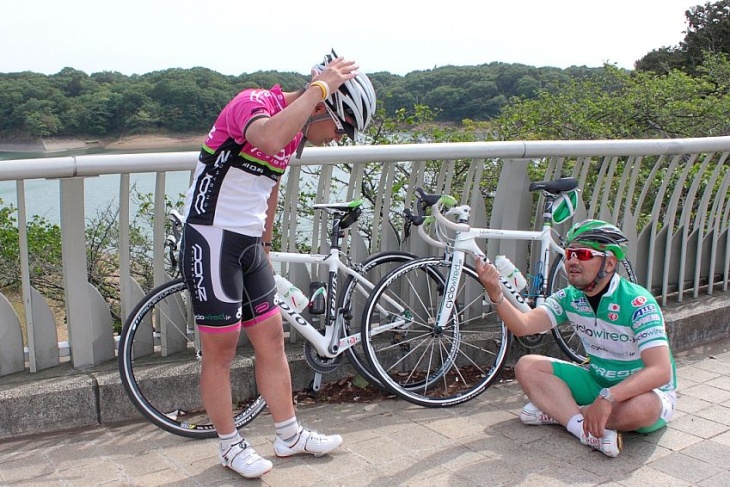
(630, 380)
(224, 257)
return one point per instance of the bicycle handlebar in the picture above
(420, 222)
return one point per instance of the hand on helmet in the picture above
(336, 72)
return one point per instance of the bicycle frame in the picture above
(327, 345)
(465, 244)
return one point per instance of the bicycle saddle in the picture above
(555, 187)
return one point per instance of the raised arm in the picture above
(271, 135)
(519, 323)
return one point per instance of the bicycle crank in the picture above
(318, 363)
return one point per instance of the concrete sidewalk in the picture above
(392, 442)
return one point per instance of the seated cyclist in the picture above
(630, 380)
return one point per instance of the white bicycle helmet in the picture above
(354, 101)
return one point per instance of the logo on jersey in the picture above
(638, 301)
(614, 307)
(613, 374)
(650, 318)
(199, 203)
(612, 316)
(651, 333)
(649, 308)
(582, 305)
(601, 334)
(554, 305)
(222, 158)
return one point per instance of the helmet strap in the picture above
(305, 130)
(599, 275)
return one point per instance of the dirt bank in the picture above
(136, 142)
(131, 143)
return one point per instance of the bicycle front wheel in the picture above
(159, 366)
(355, 294)
(565, 334)
(420, 363)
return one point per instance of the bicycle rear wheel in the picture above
(159, 366)
(565, 334)
(428, 367)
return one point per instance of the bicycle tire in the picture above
(145, 366)
(565, 334)
(418, 364)
(374, 268)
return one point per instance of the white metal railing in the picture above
(669, 196)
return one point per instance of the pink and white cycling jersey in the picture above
(233, 179)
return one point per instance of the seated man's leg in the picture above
(550, 393)
(644, 413)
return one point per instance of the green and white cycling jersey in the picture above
(628, 321)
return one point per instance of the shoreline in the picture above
(132, 143)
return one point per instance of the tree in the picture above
(708, 30)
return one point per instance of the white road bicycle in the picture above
(440, 347)
(158, 346)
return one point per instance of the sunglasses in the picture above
(582, 254)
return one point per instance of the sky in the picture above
(397, 36)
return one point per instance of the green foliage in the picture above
(73, 104)
(44, 253)
(615, 103)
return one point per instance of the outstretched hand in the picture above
(488, 276)
(336, 72)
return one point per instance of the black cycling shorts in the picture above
(229, 277)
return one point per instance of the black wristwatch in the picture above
(606, 394)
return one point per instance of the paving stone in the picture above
(648, 476)
(685, 467)
(698, 426)
(708, 393)
(695, 374)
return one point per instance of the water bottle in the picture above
(318, 293)
(291, 294)
(510, 272)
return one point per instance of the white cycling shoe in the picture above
(243, 459)
(531, 415)
(610, 444)
(307, 441)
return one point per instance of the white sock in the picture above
(288, 430)
(229, 440)
(575, 425)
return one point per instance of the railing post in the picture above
(91, 341)
(512, 209)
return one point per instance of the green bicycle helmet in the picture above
(599, 235)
